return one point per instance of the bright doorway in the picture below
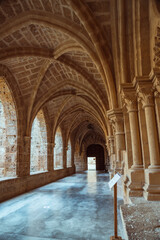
(91, 163)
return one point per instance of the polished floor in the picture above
(73, 208)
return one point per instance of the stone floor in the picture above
(76, 207)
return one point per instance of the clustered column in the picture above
(152, 174)
(144, 178)
(136, 172)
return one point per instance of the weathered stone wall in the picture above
(8, 133)
(80, 160)
(13, 187)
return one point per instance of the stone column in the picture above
(65, 148)
(116, 116)
(156, 86)
(136, 172)
(135, 136)
(72, 155)
(129, 160)
(144, 137)
(111, 145)
(50, 160)
(110, 149)
(23, 147)
(148, 104)
(152, 186)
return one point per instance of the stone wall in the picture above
(8, 133)
(80, 159)
(15, 186)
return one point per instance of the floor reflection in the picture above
(92, 179)
(79, 207)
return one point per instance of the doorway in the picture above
(96, 151)
(91, 163)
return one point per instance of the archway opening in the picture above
(58, 150)
(96, 151)
(38, 161)
(69, 161)
(8, 132)
(91, 163)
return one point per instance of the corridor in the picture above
(75, 207)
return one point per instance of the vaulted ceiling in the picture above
(59, 54)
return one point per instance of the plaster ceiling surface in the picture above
(50, 52)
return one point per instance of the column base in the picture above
(136, 182)
(152, 184)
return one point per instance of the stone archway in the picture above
(96, 150)
(8, 133)
(38, 144)
(58, 150)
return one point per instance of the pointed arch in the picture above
(58, 150)
(69, 154)
(38, 162)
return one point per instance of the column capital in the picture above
(145, 94)
(116, 118)
(156, 81)
(129, 97)
(115, 115)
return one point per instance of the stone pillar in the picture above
(23, 148)
(136, 172)
(152, 174)
(144, 137)
(116, 116)
(65, 148)
(111, 145)
(72, 155)
(129, 160)
(156, 86)
(111, 156)
(135, 137)
(50, 160)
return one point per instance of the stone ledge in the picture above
(10, 188)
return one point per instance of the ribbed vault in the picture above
(53, 55)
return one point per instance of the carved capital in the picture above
(130, 100)
(145, 95)
(156, 94)
(116, 116)
(156, 83)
